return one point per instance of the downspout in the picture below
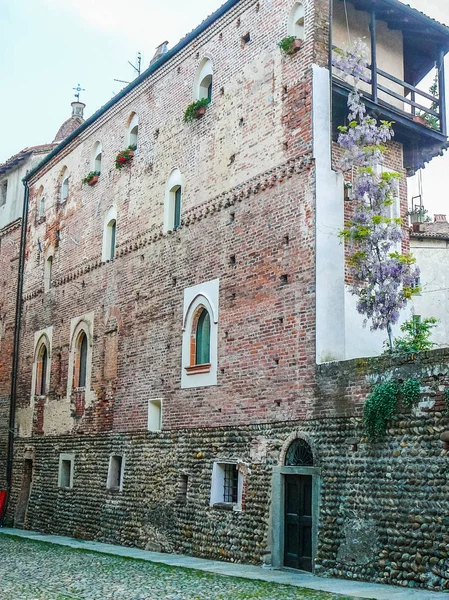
(15, 357)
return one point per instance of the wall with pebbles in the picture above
(384, 507)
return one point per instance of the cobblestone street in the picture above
(38, 571)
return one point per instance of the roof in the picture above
(21, 156)
(68, 127)
(442, 31)
(437, 230)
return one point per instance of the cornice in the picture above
(252, 187)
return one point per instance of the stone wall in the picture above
(382, 514)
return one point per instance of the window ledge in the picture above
(231, 506)
(198, 369)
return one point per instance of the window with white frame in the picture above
(227, 485)
(48, 272)
(203, 80)
(115, 472)
(109, 234)
(200, 335)
(173, 201)
(42, 363)
(64, 185)
(66, 468)
(80, 356)
(41, 207)
(133, 130)
(41, 370)
(155, 415)
(296, 22)
(96, 158)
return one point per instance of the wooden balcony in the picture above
(419, 116)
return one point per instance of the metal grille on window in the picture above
(299, 454)
(230, 483)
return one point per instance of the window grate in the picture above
(230, 483)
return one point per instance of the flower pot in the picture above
(296, 45)
(201, 112)
(93, 180)
(420, 120)
(131, 153)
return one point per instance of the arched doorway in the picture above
(295, 501)
(298, 508)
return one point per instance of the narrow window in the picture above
(203, 80)
(82, 360)
(111, 233)
(65, 189)
(115, 473)
(182, 488)
(230, 483)
(177, 211)
(65, 479)
(48, 273)
(97, 161)
(41, 371)
(155, 415)
(202, 349)
(41, 211)
(3, 192)
(296, 23)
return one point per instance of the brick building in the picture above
(180, 314)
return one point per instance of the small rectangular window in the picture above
(155, 415)
(227, 486)
(3, 192)
(230, 482)
(66, 462)
(115, 472)
(182, 488)
(177, 219)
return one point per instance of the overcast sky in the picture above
(49, 46)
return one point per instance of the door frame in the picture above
(278, 510)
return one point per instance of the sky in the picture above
(49, 46)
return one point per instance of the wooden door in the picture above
(24, 496)
(298, 522)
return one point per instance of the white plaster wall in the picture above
(432, 257)
(12, 209)
(330, 296)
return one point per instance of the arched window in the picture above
(202, 338)
(41, 371)
(41, 209)
(203, 80)
(299, 454)
(173, 201)
(64, 184)
(133, 130)
(109, 234)
(97, 154)
(296, 21)
(48, 273)
(81, 361)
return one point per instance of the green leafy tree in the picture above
(417, 336)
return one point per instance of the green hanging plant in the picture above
(381, 405)
(290, 44)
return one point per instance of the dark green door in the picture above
(298, 522)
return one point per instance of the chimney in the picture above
(78, 109)
(160, 50)
(439, 219)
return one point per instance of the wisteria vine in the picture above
(382, 278)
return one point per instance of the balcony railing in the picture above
(411, 96)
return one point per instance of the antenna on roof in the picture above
(136, 68)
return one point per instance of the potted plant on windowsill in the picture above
(124, 156)
(196, 110)
(91, 178)
(289, 45)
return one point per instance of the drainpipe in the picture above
(15, 357)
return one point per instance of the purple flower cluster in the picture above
(352, 61)
(382, 278)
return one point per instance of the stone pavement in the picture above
(299, 579)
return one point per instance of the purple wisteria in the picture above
(382, 278)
